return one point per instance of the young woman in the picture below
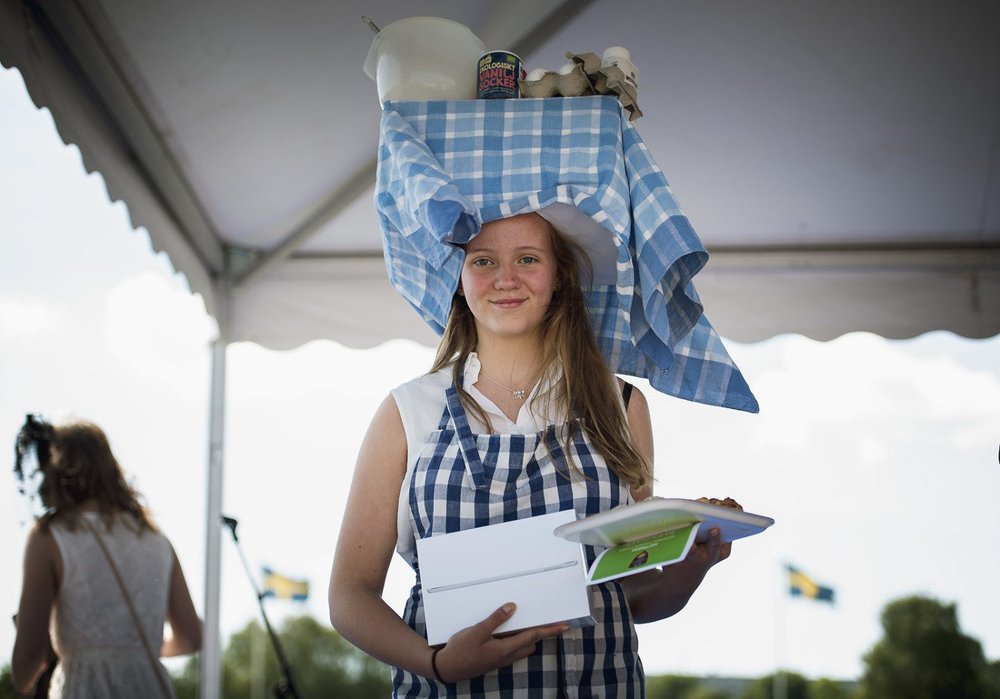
(519, 379)
(68, 579)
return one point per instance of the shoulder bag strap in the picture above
(157, 668)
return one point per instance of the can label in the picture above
(499, 73)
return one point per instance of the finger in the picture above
(527, 643)
(509, 641)
(539, 633)
(552, 630)
(494, 620)
(524, 652)
(547, 629)
(714, 544)
(724, 551)
(511, 648)
(512, 653)
(522, 644)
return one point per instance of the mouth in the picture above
(507, 303)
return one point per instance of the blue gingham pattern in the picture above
(463, 480)
(444, 168)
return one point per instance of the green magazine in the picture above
(636, 556)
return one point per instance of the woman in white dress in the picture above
(71, 587)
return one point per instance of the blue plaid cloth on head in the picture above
(445, 167)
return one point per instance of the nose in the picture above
(506, 277)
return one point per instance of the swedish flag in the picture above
(801, 585)
(281, 587)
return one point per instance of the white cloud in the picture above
(875, 385)
(156, 326)
(27, 320)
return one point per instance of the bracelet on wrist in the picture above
(434, 665)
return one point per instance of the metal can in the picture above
(500, 73)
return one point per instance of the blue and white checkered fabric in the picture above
(446, 167)
(463, 480)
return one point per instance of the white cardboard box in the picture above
(467, 575)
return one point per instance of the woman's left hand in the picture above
(658, 594)
(689, 573)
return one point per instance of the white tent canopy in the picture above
(840, 161)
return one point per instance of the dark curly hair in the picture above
(76, 464)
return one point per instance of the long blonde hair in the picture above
(82, 467)
(585, 389)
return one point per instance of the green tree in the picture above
(828, 689)
(923, 654)
(796, 686)
(186, 682)
(323, 664)
(991, 678)
(703, 692)
(6, 684)
(679, 687)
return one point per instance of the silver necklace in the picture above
(516, 393)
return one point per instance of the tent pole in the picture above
(211, 660)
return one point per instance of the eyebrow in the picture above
(523, 249)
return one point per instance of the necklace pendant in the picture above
(518, 394)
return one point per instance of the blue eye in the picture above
(480, 262)
(529, 259)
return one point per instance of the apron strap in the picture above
(445, 419)
(626, 392)
(466, 440)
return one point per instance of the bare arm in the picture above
(185, 626)
(38, 593)
(364, 550)
(658, 594)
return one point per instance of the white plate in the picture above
(657, 515)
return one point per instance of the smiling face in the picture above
(509, 275)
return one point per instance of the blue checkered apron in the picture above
(463, 480)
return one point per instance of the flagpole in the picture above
(284, 688)
(779, 684)
(257, 665)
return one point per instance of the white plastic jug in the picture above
(424, 58)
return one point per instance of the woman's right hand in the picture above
(475, 650)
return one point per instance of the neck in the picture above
(514, 363)
(88, 505)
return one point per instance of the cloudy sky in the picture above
(877, 459)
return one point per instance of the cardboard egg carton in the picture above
(588, 77)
